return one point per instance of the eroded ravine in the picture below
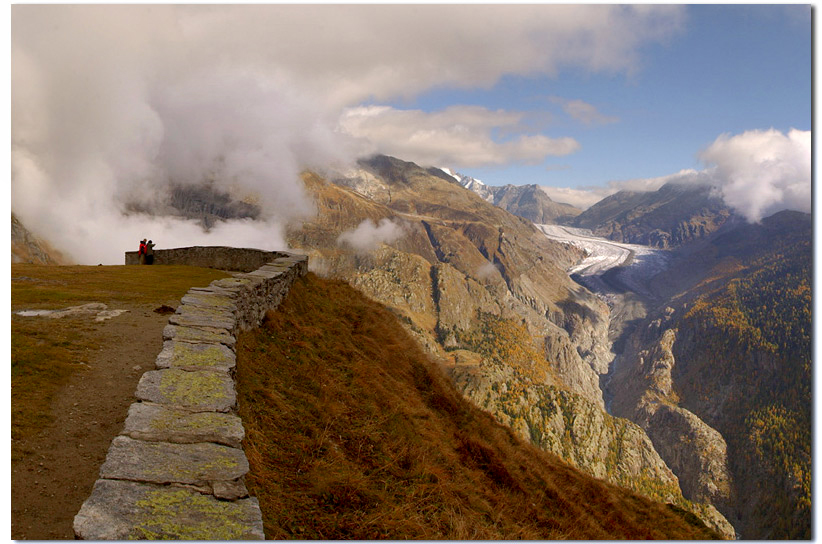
(619, 274)
(640, 340)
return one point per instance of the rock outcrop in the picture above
(643, 391)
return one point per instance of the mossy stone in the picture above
(121, 510)
(203, 391)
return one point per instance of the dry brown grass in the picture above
(46, 352)
(352, 433)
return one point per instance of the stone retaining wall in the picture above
(176, 470)
(221, 257)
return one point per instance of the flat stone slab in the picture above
(228, 292)
(157, 423)
(188, 315)
(187, 356)
(267, 272)
(231, 284)
(119, 510)
(209, 299)
(202, 391)
(165, 463)
(197, 335)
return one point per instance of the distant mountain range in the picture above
(669, 217)
(528, 201)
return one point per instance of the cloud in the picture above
(104, 117)
(757, 173)
(761, 172)
(460, 135)
(487, 270)
(113, 103)
(351, 53)
(368, 236)
(581, 198)
(584, 112)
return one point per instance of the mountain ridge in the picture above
(671, 216)
(476, 296)
(528, 201)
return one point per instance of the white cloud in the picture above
(112, 102)
(584, 112)
(460, 135)
(487, 270)
(351, 53)
(581, 198)
(368, 236)
(760, 172)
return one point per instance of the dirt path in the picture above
(62, 462)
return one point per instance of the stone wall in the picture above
(176, 471)
(220, 257)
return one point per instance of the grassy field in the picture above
(45, 352)
(353, 433)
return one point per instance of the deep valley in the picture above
(664, 349)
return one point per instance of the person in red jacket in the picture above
(143, 251)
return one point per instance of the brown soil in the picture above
(58, 466)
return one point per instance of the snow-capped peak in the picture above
(465, 181)
(472, 184)
(451, 173)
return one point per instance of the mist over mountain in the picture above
(26, 247)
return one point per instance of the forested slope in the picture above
(726, 359)
(752, 337)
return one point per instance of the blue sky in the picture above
(731, 69)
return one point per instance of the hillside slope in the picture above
(353, 434)
(487, 293)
